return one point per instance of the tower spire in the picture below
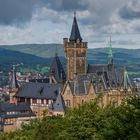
(13, 83)
(75, 33)
(126, 80)
(74, 13)
(110, 55)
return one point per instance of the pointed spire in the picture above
(13, 82)
(110, 55)
(59, 105)
(75, 33)
(126, 80)
(57, 69)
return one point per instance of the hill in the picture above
(41, 50)
(8, 58)
(42, 53)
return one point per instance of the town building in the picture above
(12, 116)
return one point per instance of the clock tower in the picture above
(75, 52)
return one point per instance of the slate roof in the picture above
(57, 69)
(11, 110)
(81, 84)
(40, 80)
(39, 90)
(13, 81)
(112, 76)
(59, 104)
(75, 33)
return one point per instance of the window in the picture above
(47, 101)
(68, 104)
(42, 101)
(34, 101)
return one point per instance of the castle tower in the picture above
(13, 86)
(75, 52)
(110, 55)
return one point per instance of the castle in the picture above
(80, 83)
(85, 81)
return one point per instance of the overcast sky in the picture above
(49, 21)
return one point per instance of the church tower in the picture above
(75, 52)
(13, 86)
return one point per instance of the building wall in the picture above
(10, 125)
(75, 101)
(13, 124)
(107, 97)
(38, 106)
(75, 53)
(68, 97)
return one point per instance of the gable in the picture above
(91, 90)
(67, 90)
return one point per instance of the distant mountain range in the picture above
(42, 53)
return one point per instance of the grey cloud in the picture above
(129, 14)
(65, 5)
(16, 11)
(100, 11)
(101, 16)
(124, 42)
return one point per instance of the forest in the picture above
(88, 122)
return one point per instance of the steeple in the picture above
(13, 82)
(57, 69)
(126, 80)
(59, 105)
(110, 55)
(75, 33)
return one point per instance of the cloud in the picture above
(16, 11)
(96, 15)
(89, 10)
(131, 10)
(44, 13)
(65, 5)
(50, 20)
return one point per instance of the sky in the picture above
(49, 21)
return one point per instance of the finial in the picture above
(74, 13)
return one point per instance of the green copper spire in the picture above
(110, 55)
